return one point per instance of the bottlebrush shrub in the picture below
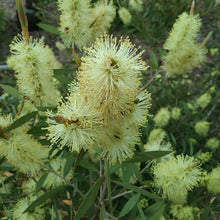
(108, 136)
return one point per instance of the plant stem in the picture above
(150, 81)
(124, 193)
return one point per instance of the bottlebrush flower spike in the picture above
(110, 76)
(74, 22)
(33, 63)
(184, 53)
(176, 176)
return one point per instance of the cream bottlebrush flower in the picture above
(175, 113)
(159, 146)
(180, 212)
(204, 157)
(110, 76)
(202, 128)
(75, 125)
(139, 111)
(102, 16)
(54, 178)
(125, 15)
(157, 134)
(29, 187)
(213, 180)
(213, 143)
(176, 176)
(34, 63)
(136, 5)
(184, 52)
(74, 22)
(204, 100)
(162, 118)
(37, 212)
(23, 151)
(19, 148)
(5, 121)
(119, 141)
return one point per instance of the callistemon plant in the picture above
(105, 109)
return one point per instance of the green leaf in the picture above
(6, 166)
(102, 215)
(59, 75)
(85, 164)
(21, 121)
(37, 129)
(68, 164)
(89, 199)
(10, 90)
(152, 64)
(63, 71)
(49, 28)
(158, 213)
(152, 210)
(79, 158)
(43, 198)
(8, 180)
(142, 215)
(205, 213)
(145, 156)
(138, 190)
(129, 205)
(115, 167)
(21, 13)
(130, 172)
(173, 138)
(55, 209)
(41, 182)
(154, 59)
(161, 52)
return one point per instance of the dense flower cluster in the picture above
(81, 24)
(176, 176)
(105, 109)
(184, 53)
(34, 64)
(21, 149)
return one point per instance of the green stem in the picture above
(108, 184)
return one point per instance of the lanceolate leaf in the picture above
(41, 182)
(21, 121)
(59, 74)
(205, 213)
(145, 156)
(129, 205)
(88, 200)
(6, 166)
(43, 198)
(141, 212)
(68, 165)
(49, 28)
(9, 179)
(102, 215)
(152, 210)
(154, 59)
(10, 90)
